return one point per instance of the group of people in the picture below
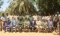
(34, 23)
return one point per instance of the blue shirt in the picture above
(13, 22)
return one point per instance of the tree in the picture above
(53, 6)
(1, 2)
(59, 2)
(21, 7)
(48, 6)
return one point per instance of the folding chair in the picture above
(8, 28)
(13, 28)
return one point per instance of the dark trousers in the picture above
(32, 28)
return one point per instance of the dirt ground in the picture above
(2, 33)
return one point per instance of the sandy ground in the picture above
(2, 33)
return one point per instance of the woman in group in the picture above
(55, 22)
(50, 25)
(19, 25)
(8, 25)
(32, 25)
(38, 23)
(13, 24)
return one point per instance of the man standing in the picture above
(3, 18)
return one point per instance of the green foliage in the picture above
(23, 7)
(59, 2)
(48, 6)
(0, 13)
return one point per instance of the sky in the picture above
(5, 5)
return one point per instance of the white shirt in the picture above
(38, 22)
(35, 17)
